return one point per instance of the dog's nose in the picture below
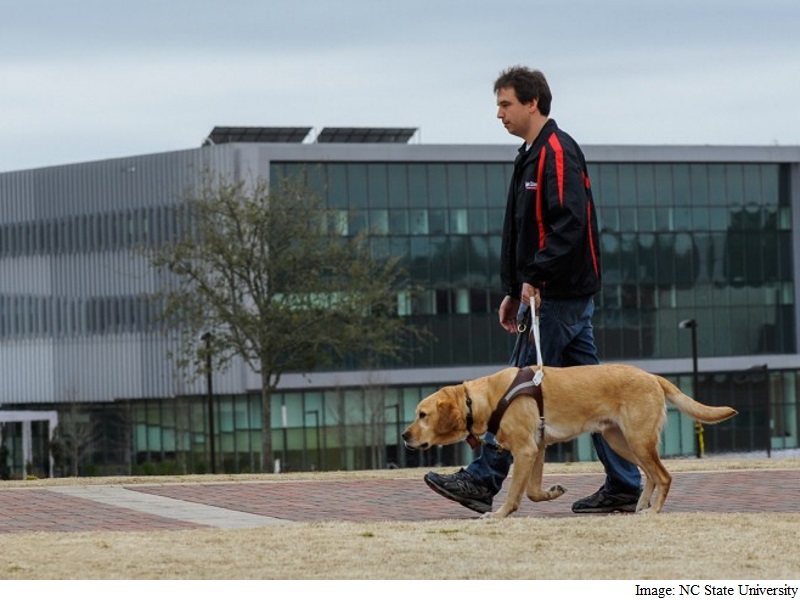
(405, 436)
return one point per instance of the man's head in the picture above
(523, 101)
(528, 85)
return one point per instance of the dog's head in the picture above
(440, 420)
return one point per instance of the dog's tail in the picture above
(693, 408)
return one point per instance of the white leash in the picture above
(537, 377)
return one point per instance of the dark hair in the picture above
(528, 84)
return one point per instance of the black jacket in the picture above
(550, 237)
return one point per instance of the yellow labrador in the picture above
(623, 403)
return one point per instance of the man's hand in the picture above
(509, 308)
(529, 292)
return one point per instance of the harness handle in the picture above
(537, 377)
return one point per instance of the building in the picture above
(701, 236)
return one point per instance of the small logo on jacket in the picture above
(530, 185)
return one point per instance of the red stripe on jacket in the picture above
(540, 180)
(559, 151)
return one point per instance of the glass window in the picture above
(379, 221)
(337, 186)
(608, 190)
(418, 221)
(457, 184)
(497, 181)
(399, 246)
(420, 259)
(437, 221)
(477, 220)
(735, 184)
(682, 187)
(698, 175)
(440, 260)
(627, 219)
(770, 185)
(717, 188)
(645, 185)
(458, 221)
(357, 221)
(626, 191)
(417, 186)
(398, 186)
(357, 185)
(424, 303)
(752, 184)
(608, 218)
(398, 222)
(338, 222)
(718, 219)
(664, 185)
(476, 185)
(682, 218)
(494, 218)
(701, 219)
(378, 185)
(437, 185)
(646, 218)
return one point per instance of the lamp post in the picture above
(285, 426)
(206, 337)
(698, 427)
(315, 412)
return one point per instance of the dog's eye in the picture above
(422, 414)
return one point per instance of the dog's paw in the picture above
(556, 490)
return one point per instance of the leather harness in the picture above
(523, 384)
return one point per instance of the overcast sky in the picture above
(88, 80)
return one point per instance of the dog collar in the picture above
(473, 441)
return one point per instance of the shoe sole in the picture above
(477, 506)
(626, 508)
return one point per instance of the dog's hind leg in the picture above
(616, 439)
(643, 450)
(658, 480)
(535, 491)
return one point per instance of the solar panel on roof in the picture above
(365, 135)
(228, 135)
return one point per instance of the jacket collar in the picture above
(549, 127)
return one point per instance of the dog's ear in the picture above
(449, 417)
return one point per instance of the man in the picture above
(550, 261)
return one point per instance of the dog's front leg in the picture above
(535, 491)
(523, 462)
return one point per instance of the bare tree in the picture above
(267, 269)
(73, 438)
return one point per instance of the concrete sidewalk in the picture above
(232, 505)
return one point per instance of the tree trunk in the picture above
(266, 425)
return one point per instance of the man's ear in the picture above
(533, 106)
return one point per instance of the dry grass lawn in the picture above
(685, 546)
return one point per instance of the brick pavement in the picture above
(252, 504)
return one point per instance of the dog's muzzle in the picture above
(407, 441)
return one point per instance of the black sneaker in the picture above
(462, 488)
(604, 502)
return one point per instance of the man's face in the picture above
(516, 117)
